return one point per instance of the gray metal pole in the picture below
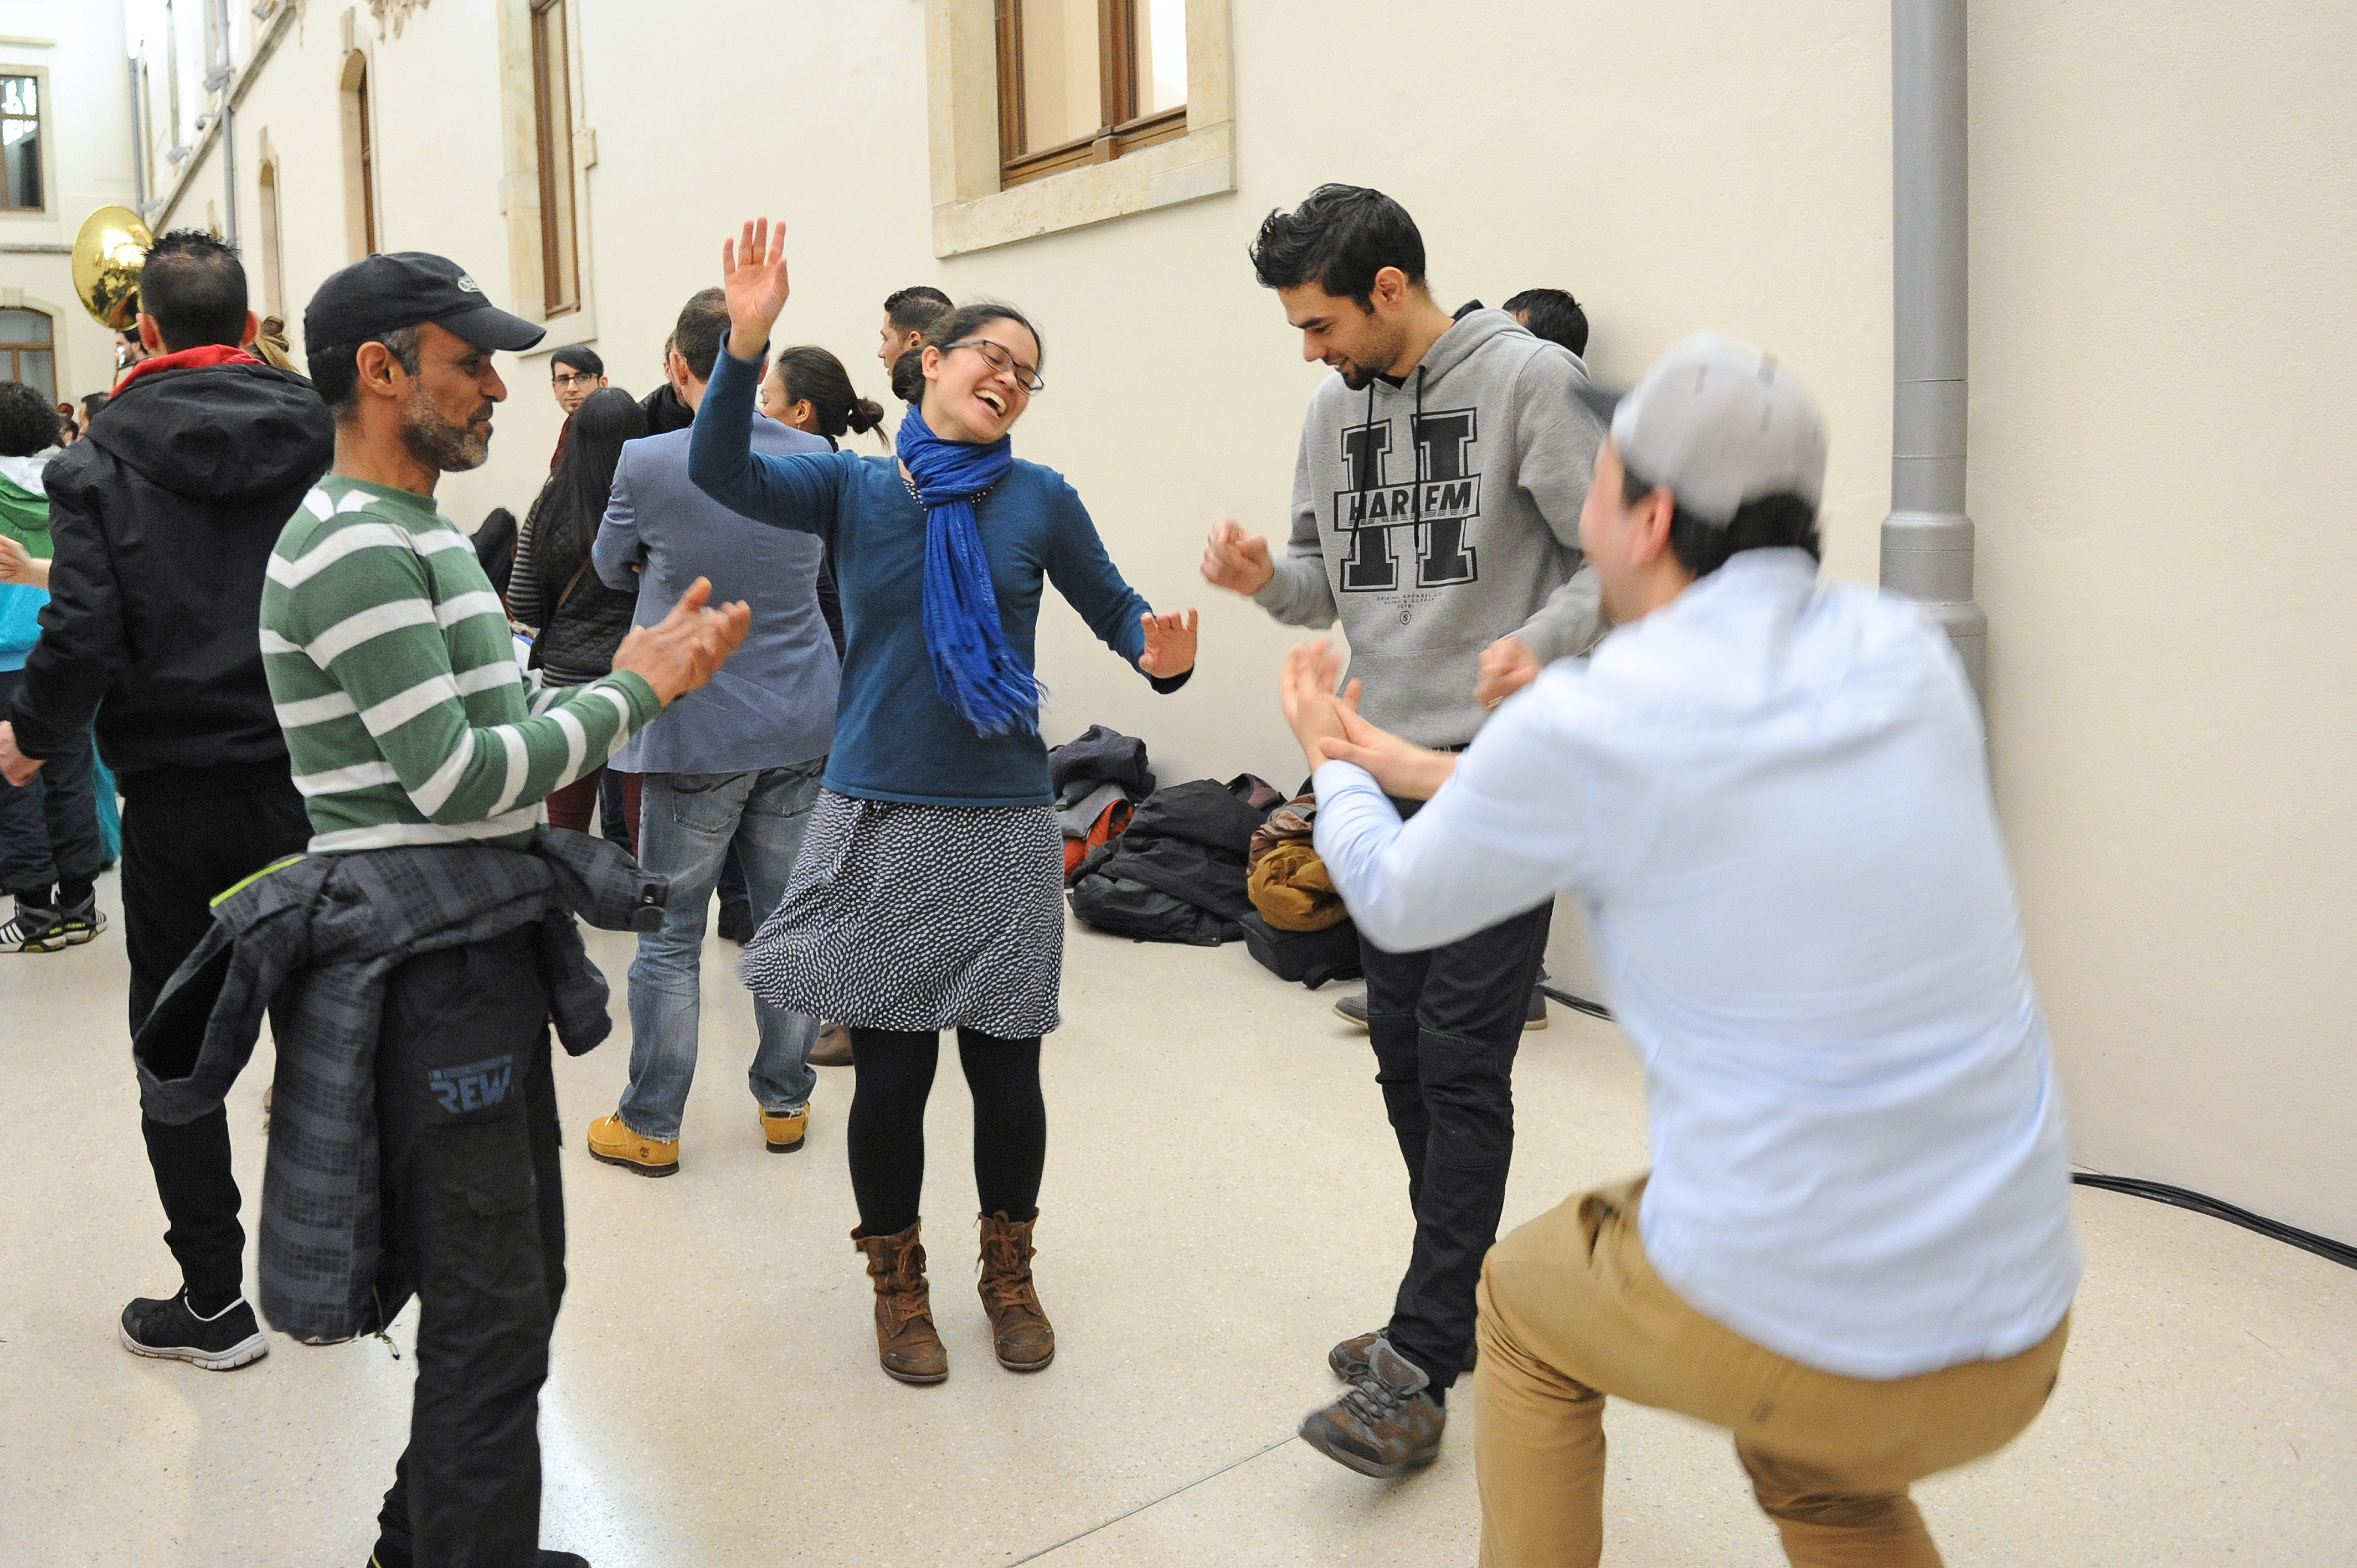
(1927, 539)
(218, 80)
(138, 144)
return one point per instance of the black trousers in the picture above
(48, 829)
(474, 1217)
(1446, 1024)
(178, 852)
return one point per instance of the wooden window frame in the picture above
(40, 117)
(1121, 129)
(552, 93)
(274, 266)
(367, 152)
(15, 352)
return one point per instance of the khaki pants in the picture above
(1571, 1311)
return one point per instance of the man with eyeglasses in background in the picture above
(573, 372)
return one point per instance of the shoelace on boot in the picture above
(902, 1290)
(1006, 1277)
(1375, 1402)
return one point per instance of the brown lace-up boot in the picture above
(1024, 1339)
(906, 1345)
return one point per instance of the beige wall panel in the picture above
(2164, 331)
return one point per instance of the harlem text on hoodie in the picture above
(1435, 515)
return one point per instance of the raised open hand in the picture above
(753, 276)
(1169, 644)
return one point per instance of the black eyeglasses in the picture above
(1003, 362)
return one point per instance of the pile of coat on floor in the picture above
(1201, 863)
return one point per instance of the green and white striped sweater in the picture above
(395, 679)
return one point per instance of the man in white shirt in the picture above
(1769, 792)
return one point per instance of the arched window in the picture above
(360, 158)
(29, 351)
(273, 269)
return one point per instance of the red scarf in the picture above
(187, 358)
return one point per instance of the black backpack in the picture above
(1178, 873)
(1313, 958)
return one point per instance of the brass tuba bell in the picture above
(108, 254)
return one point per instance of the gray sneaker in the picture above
(1349, 1359)
(1388, 1424)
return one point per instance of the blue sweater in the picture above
(894, 738)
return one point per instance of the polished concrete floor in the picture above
(1222, 1203)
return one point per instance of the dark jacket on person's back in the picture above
(313, 940)
(163, 519)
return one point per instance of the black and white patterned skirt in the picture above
(905, 916)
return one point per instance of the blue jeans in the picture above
(686, 823)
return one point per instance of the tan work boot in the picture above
(785, 1132)
(906, 1343)
(1018, 1328)
(611, 1140)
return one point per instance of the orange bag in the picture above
(1113, 820)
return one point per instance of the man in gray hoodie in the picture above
(1436, 514)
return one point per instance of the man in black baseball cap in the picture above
(422, 316)
(408, 726)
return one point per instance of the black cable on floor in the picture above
(1580, 1004)
(2340, 1253)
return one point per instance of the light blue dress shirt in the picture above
(1772, 798)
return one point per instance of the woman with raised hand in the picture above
(928, 893)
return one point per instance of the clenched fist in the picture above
(1235, 560)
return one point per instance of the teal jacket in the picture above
(25, 518)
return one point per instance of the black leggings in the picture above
(887, 1134)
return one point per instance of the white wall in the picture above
(2164, 391)
(80, 44)
(2162, 219)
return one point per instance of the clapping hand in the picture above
(1169, 644)
(687, 647)
(1331, 729)
(753, 276)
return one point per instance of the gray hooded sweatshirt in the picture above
(1430, 546)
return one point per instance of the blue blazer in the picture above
(772, 704)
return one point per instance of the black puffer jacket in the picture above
(164, 519)
(577, 632)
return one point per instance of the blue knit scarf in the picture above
(975, 668)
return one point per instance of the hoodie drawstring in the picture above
(1416, 452)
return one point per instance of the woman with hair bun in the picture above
(928, 892)
(808, 389)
